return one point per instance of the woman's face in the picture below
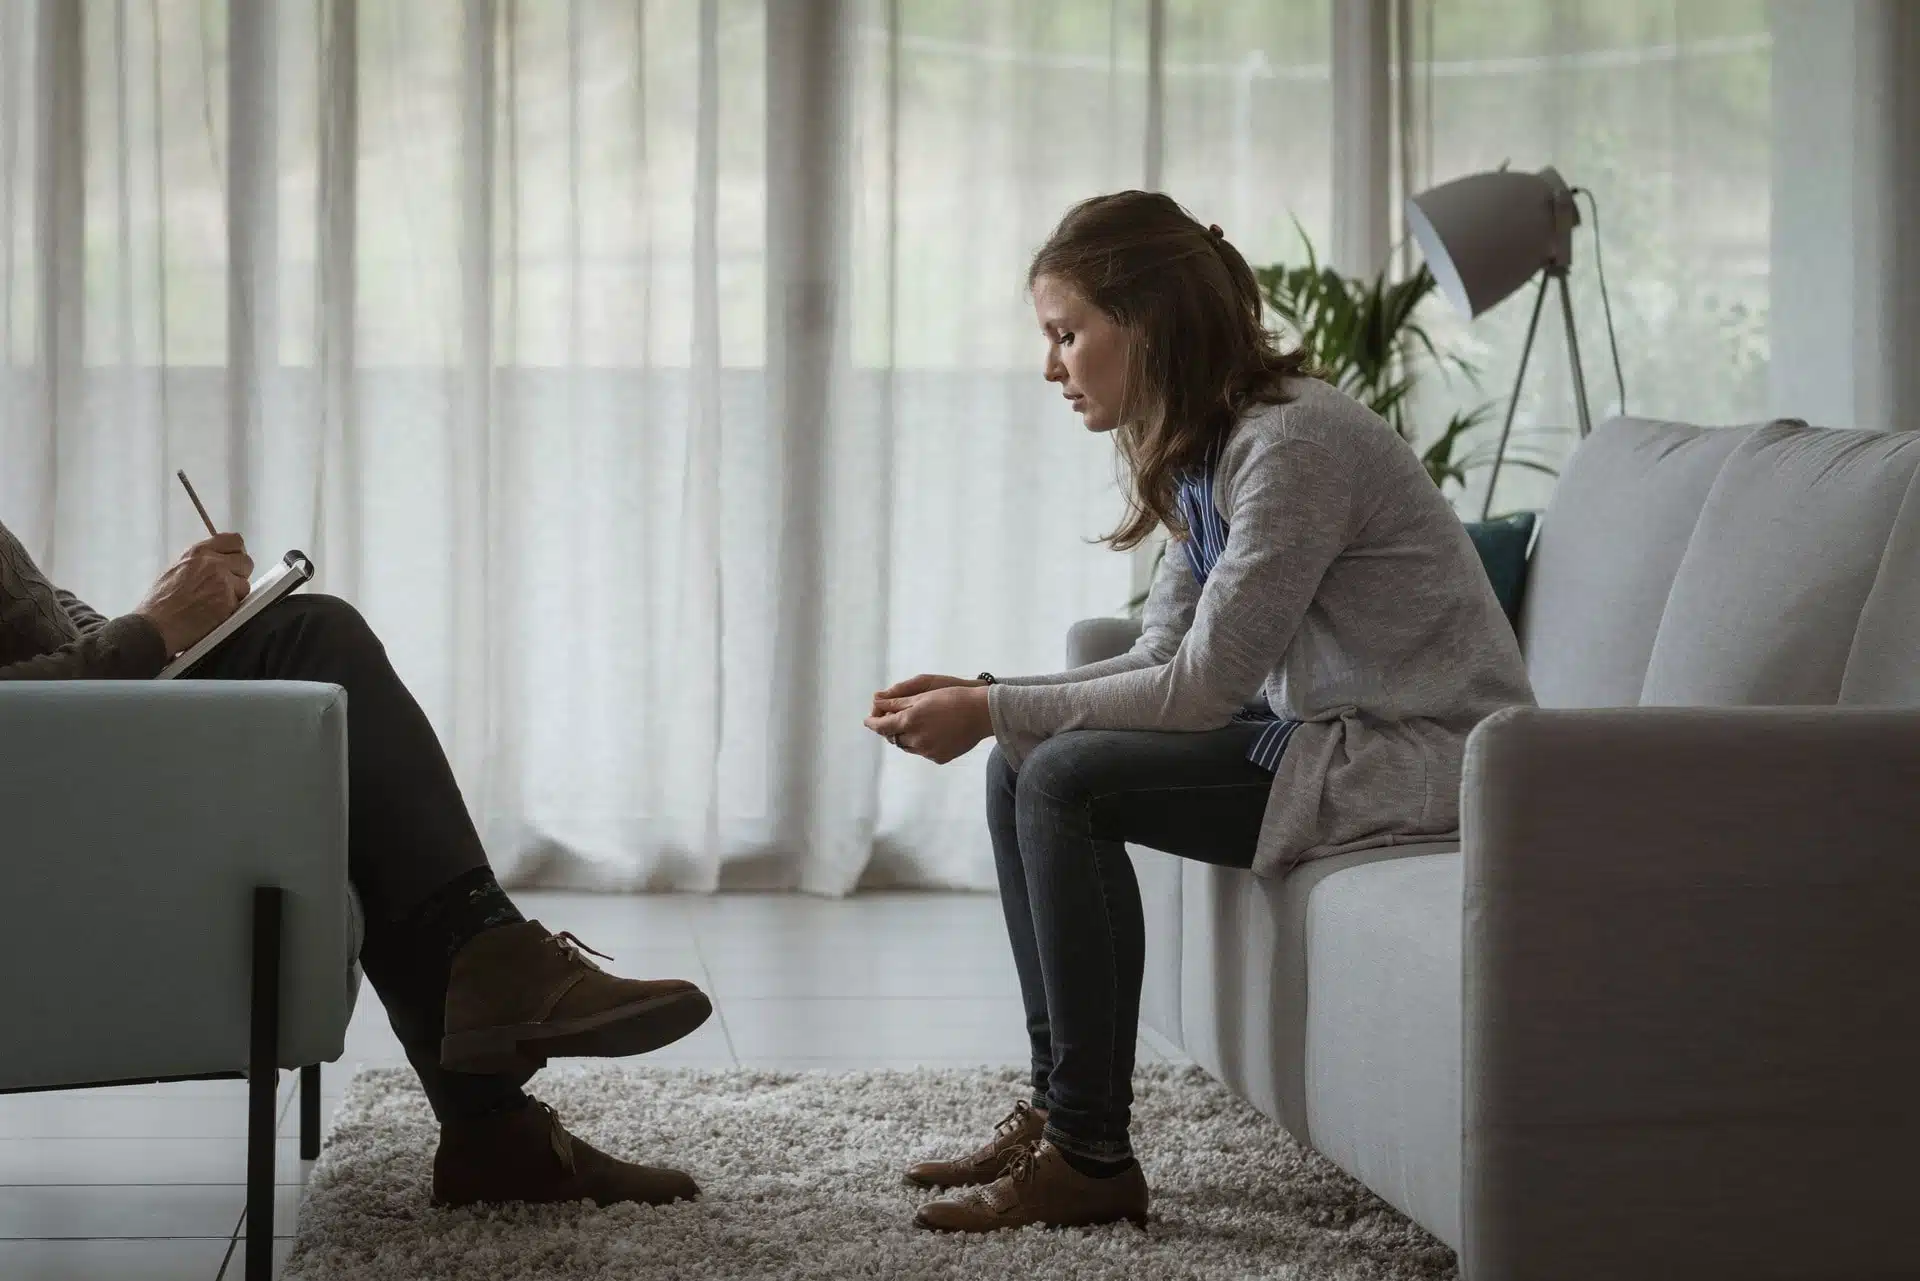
(1086, 352)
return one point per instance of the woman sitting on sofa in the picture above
(1316, 646)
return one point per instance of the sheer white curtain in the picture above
(1663, 109)
(657, 377)
(465, 297)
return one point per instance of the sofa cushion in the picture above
(1768, 596)
(1265, 961)
(1883, 668)
(1383, 1032)
(1503, 544)
(1608, 548)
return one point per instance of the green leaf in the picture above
(1365, 336)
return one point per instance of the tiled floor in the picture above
(146, 1183)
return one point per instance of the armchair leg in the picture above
(263, 1079)
(310, 1112)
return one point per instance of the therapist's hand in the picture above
(941, 724)
(199, 591)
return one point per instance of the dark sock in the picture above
(469, 904)
(1093, 1167)
(411, 975)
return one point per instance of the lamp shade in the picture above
(1486, 234)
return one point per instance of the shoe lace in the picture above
(1000, 1195)
(576, 949)
(557, 1136)
(1025, 1160)
(1012, 1123)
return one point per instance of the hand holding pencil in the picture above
(201, 589)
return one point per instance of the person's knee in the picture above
(1057, 772)
(327, 615)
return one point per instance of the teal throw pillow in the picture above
(1502, 545)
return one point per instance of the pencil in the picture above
(197, 504)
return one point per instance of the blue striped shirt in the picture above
(1206, 540)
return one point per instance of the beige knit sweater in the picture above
(1350, 596)
(49, 634)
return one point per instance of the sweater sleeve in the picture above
(126, 648)
(48, 634)
(1168, 615)
(1290, 508)
(85, 617)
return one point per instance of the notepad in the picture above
(293, 571)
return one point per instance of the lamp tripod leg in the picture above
(1573, 358)
(1513, 402)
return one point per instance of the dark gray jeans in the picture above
(1073, 904)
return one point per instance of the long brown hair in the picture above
(1200, 356)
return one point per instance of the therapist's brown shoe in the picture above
(526, 1155)
(520, 995)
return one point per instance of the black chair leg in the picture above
(310, 1112)
(263, 1079)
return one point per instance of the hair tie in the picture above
(1213, 229)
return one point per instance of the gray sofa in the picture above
(174, 870)
(1657, 1014)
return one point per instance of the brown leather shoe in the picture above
(1040, 1187)
(1021, 1129)
(520, 996)
(527, 1155)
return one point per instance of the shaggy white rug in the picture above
(800, 1177)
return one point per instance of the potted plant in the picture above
(1364, 337)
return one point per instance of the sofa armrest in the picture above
(1691, 993)
(138, 819)
(1092, 639)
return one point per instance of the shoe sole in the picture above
(611, 1034)
(568, 1197)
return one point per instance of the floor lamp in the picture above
(1483, 237)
